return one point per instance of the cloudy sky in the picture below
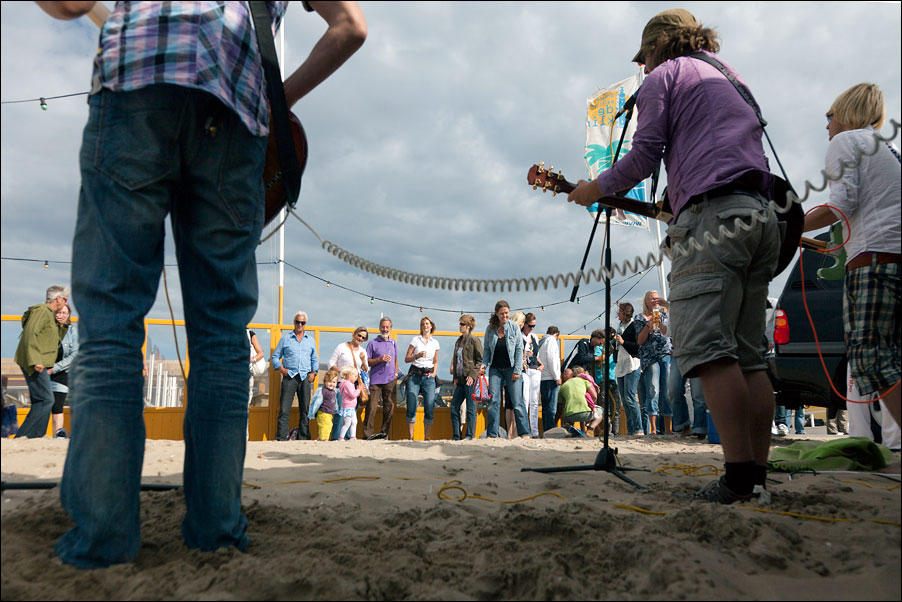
(419, 146)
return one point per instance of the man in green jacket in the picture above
(36, 354)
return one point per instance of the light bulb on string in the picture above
(421, 310)
(43, 104)
(328, 284)
(46, 264)
(372, 300)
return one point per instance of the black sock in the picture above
(740, 477)
(761, 476)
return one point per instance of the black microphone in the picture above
(627, 106)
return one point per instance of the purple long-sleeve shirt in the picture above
(690, 114)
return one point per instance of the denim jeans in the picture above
(676, 386)
(415, 384)
(161, 150)
(504, 378)
(663, 395)
(628, 385)
(463, 394)
(648, 393)
(548, 391)
(35, 424)
(799, 420)
(303, 388)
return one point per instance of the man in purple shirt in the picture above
(382, 356)
(693, 117)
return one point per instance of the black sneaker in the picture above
(61, 434)
(718, 492)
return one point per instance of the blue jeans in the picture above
(145, 155)
(463, 393)
(35, 424)
(415, 384)
(799, 420)
(648, 393)
(628, 385)
(548, 390)
(504, 378)
(676, 387)
(663, 394)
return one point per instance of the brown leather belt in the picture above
(870, 258)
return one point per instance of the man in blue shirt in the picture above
(295, 358)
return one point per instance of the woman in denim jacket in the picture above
(59, 374)
(503, 368)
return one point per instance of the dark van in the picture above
(795, 365)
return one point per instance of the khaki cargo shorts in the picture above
(718, 294)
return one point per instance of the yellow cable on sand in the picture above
(706, 470)
(463, 495)
(638, 509)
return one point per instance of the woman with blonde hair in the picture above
(654, 354)
(423, 357)
(502, 359)
(864, 176)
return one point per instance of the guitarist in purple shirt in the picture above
(709, 137)
(177, 127)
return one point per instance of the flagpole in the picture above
(282, 215)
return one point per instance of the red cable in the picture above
(811, 320)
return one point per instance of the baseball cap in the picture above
(662, 23)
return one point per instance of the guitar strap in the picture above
(747, 96)
(791, 219)
(288, 160)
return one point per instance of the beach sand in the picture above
(364, 520)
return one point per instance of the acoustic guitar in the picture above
(792, 221)
(276, 196)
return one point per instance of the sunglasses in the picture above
(362, 335)
(461, 324)
(300, 322)
(530, 325)
(829, 117)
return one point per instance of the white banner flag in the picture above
(603, 137)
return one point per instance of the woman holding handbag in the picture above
(465, 363)
(351, 354)
(423, 355)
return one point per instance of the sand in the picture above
(390, 536)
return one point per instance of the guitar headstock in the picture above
(546, 179)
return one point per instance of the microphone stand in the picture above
(606, 460)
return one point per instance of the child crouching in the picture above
(349, 394)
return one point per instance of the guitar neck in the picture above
(546, 180)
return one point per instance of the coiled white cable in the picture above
(625, 268)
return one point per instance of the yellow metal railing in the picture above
(166, 423)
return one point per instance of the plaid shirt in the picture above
(206, 45)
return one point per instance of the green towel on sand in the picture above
(852, 453)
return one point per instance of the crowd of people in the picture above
(523, 372)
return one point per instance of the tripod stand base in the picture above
(605, 461)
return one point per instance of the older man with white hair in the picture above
(36, 354)
(295, 358)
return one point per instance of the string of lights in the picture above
(42, 99)
(374, 298)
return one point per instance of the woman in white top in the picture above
(423, 355)
(532, 372)
(351, 354)
(865, 185)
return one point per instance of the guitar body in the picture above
(276, 197)
(791, 222)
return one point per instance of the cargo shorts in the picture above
(718, 294)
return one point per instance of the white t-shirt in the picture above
(430, 347)
(342, 357)
(868, 194)
(626, 364)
